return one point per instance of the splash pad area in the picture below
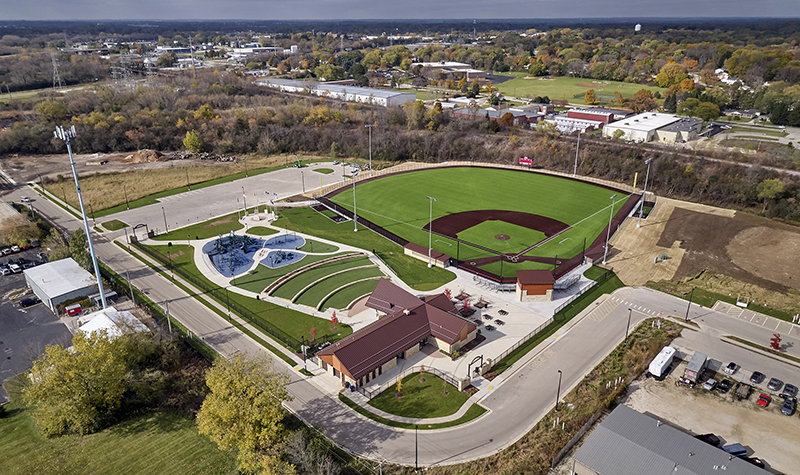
(234, 255)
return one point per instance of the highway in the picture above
(519, 399)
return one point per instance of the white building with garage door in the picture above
(59, 281)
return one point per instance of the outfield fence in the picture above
(220, 294)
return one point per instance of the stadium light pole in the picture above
(430, 230)
(355, 210)
(65, 135)
(627, 328)
(608, 233)
(369, 127)
(644, 193)
(577, 150)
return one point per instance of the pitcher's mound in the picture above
(502, 237)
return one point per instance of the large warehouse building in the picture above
(381, 97)
(59, 281)
(654, 126)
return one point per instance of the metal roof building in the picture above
(628, 442)
(382, 97)
(640, 127)
(59, 281)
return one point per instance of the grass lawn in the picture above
(204, 230)
(295, 324)
(344, 298)
(473, 412)
(324, 171)
(563, 316)
(413, 272)
(261, 231)
(521, 237)
(757, 130)
(422, 95)
(114, 225)
(318, 291)
(263, 275)
(421, 399)
(317, 247)
(583, 206)
(564, 88)
(167, 441)
(289, 289)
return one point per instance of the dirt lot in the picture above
(773, 437)
(749, 250)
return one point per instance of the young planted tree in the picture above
(775, 342)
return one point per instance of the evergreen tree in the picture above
(671, 104)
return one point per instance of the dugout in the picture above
(535, 285)
(421, 252)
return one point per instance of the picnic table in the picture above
(463, 295)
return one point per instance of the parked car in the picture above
(709, 384)
(754, 461)
(15, 248)
(15, 268)
(724, 386)
(5, 270)
(29, 302)
(764, 400)
(25, 199)
(789, 391)
(731, 368)
(757, 378)
(788, 407)
(6, 251)
(774, 384)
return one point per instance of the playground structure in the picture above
(233, 254)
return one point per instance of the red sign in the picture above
(526, 161)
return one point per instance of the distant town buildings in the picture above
(381, 97)
(655, 126)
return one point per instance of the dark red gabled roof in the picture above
(409, 320)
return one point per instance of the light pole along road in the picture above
(520, 397)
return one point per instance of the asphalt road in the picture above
(517, 402)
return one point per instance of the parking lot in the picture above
(24, 332)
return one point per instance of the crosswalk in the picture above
(755, 317)
(617, 300)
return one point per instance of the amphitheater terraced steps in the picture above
(270, 289)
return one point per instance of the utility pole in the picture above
(166, 228)
(65, 135)
(608, 233)
(430, 229)
(577, 150)
(644, 193)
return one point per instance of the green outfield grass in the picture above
(398, 203)
(324, 171)
(564, 88)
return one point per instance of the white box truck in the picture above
(660, 364)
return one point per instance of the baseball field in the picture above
(496, 220)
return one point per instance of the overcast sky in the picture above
(389, 9)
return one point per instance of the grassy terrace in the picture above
(344, 298)
(314, 295)
(290, 288)
(473, 412)
(263, 275)
(412, 271)
(424, 396)
(114, 225)
(317, 247)
(169, 440)
(295, 324)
